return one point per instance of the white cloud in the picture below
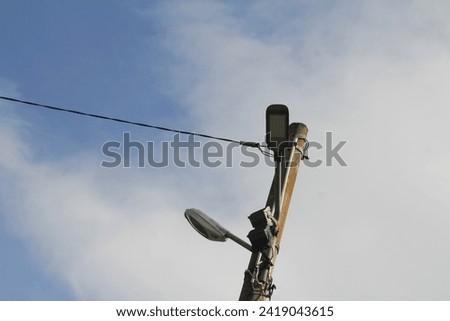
(375, 75)
(115, 234)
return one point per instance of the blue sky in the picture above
(88, 54)
(373, 74)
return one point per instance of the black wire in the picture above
(265, 153)
(249, 144)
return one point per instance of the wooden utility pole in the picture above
(258, 284)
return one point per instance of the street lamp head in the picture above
(277, 125)
(210, 229)
(205, 225)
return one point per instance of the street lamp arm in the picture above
(239, 241)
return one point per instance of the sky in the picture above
(372, 74)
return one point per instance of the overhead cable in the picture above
(119, 120)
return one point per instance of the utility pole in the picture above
(269, 224)
(288, 144)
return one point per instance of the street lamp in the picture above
(210, 229)
(277, 126)
(277, 133)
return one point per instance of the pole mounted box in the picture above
(264, 226)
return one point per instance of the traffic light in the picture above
(264, 229)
